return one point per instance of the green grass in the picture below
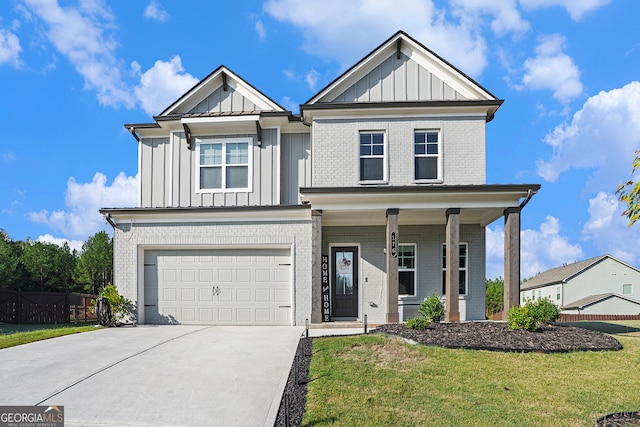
(12, 335)
(377, 381)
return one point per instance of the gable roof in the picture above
(594, 299)
(566, 272)
(401, 45)
(226, 83)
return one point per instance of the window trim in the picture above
(385, 168)
(439, 157)
(224, 141)
(414, 269)
(465, 269)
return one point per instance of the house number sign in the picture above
(326, 289)
(394, 245)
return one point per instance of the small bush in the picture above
(119, 306)
(532, 315)
(418, 323)
(431, 308)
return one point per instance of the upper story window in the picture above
(462, 259)
(223, 165)
(627, 289)
(407, 269)
(426, 149)
(372, 160)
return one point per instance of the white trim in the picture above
(428, 60)
(223, 166)
(218, 119)
(140, 173)
(385, 157)
(467, 294)
(440, 176)
(369, 113)
(278, 170)
(414, 269)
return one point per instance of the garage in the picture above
(218, 287)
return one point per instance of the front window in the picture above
(223, 165)
(558, 293)
(426, 148)
(372, 156)
(463, 257)
(407, 269)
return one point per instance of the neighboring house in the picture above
(600, 285)
(369, 200)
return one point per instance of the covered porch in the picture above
(376, 225)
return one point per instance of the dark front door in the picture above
(344, 288)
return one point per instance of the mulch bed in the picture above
(494, 336)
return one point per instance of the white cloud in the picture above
(576, 8)
(603, 136)
(312, 79)
(156, 12)
(82, 219)
(260, 29)
(86, 37)
(60, 241)
(552, 69)
(162, 84)
(330, 31)
(541, 249)
(609, 230)
(9, 48)
(506, 17)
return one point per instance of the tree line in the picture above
(38, 266)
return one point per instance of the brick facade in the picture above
(131, 240)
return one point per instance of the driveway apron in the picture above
(155, 375)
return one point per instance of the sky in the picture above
(72, 72)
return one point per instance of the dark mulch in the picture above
(295, 393)
(496, 336)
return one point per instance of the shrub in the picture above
(532, 315)
(119, 307)
(418, 323)
(431, 308)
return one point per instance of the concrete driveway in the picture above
(155, 375)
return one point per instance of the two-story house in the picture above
(370, 199)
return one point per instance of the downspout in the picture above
(526, 199)
(107, 217)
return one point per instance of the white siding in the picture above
(607, 276)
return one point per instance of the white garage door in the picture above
(219, 287)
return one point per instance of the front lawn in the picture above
(12, 335)
(373, 380)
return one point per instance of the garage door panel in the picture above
(218, 286)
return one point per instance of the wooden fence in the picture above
(564, 317)
(17, 306)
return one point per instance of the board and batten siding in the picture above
(224, 101)
(168, 171)
(154, 169)
(398, 80)
(296, 166)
